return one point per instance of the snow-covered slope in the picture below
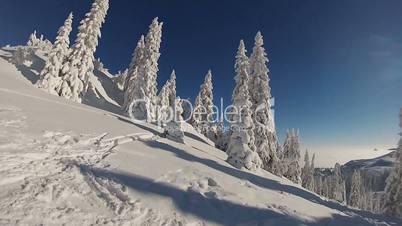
(68, 163)
(103, 93)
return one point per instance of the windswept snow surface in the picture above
(73, 164)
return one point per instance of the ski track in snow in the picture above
(48, 180)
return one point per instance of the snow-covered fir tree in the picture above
(143, 86)
(135, 81)
(355, 194)
(164, 103)
(241, 148)
(318, 184)
(164, 96)
(77, 71)
(311, 173)
(266, 139)
(326, 189)
(152, 45)
(307, 174)
(291, 156)
(338, 190)
(49, 78)
(378, 202)
(172, 89)
(306, 169)
(203, 109)
(393, 190)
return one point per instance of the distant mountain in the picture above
(375, 171)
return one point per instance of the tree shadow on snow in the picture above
(195, 137)
(275, 185)
(31, 73)
(141, 126)
(206, 208)
(212, 209)
(159, 133)
(99, 102)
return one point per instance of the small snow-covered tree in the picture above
(306, 169)
(326, 187)
(203, 109)
(33, 40)
(241, 149)
(141, 90)
(311, 174)
(291, 156)
(49, 78)
(307, 174)
(39, 43)
(378, 202)
(318, 184)
(198, 112)
(77, 71)
(393, 190)
(164, 103)
(172, 88)
(355, 194)
(260, 93)
(338, 192)
(120, 78)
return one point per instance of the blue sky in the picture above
(336, 66)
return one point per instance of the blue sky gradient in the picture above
(336, 66)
